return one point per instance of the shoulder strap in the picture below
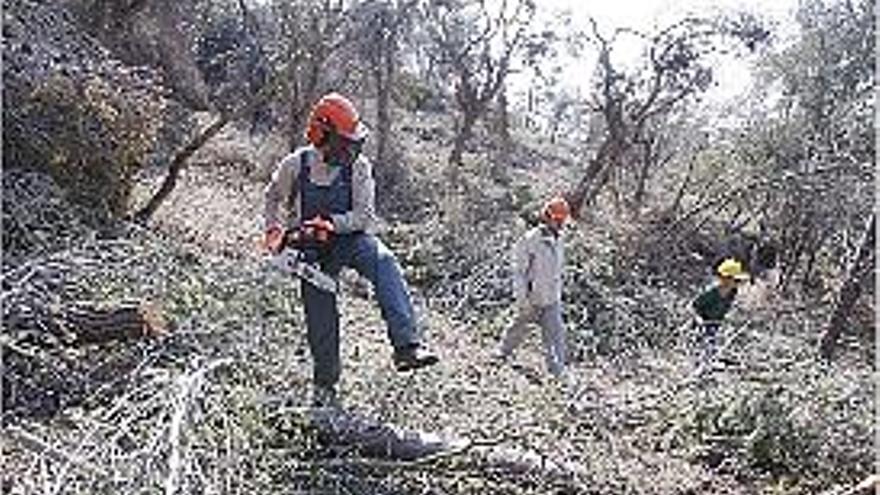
(305, 164)
(347, 176)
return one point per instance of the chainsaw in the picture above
(293, 260)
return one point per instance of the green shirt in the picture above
(712, 306)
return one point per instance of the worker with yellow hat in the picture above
(711, 307)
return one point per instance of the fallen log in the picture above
(91, 323)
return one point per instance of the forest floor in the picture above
(632, 420)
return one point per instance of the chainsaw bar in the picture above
(291, 261)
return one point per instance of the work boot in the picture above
(325, 397)
(413, 357)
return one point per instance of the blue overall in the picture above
(366, 254)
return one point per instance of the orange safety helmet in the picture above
(557, 210)
(334, 113)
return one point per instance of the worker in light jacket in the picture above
(537, 284)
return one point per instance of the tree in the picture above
(306, 35)
(808, 156)
(178, 162)
(382, 28)
(861, 268)
(632, 103)
(820, 155)
(157, 33)
(72, 112)
(477, 47)
(232, 58)
(800, 169)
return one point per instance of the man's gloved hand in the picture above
(318, 230)
(273, 239)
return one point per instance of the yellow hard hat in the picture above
(732, 268)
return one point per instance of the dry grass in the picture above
(213, 407)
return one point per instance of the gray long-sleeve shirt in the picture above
(538, 262)
(284, 210)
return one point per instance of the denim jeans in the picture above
(373, 260)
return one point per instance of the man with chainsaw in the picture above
(320, 200)
(538, 261)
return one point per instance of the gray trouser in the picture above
(707, 342)
(552, 334)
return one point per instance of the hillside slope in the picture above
(216, 405)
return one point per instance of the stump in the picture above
(46, 363)
(92, 324)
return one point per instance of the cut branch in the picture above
(37, 444)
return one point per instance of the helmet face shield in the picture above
(342, 151)
(359, 133)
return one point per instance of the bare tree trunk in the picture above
(177, 164)
(861, 267)
(578, 196)
(641, 183)
(383, 119)
(807, 277)
(790, 266)
(589, 183)
(803, 232)
(469, 118)
(502, 130)
(530, 109)
(384, 73)
(299, 105)
(676, 203)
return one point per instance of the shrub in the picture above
(88, 135)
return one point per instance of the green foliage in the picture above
(774, 441)
(523, 200)
(87, 133)
(788, 432)
(413, 94)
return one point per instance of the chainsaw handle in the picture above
(311, 234)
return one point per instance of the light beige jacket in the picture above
(282, 208)
(538, 260)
